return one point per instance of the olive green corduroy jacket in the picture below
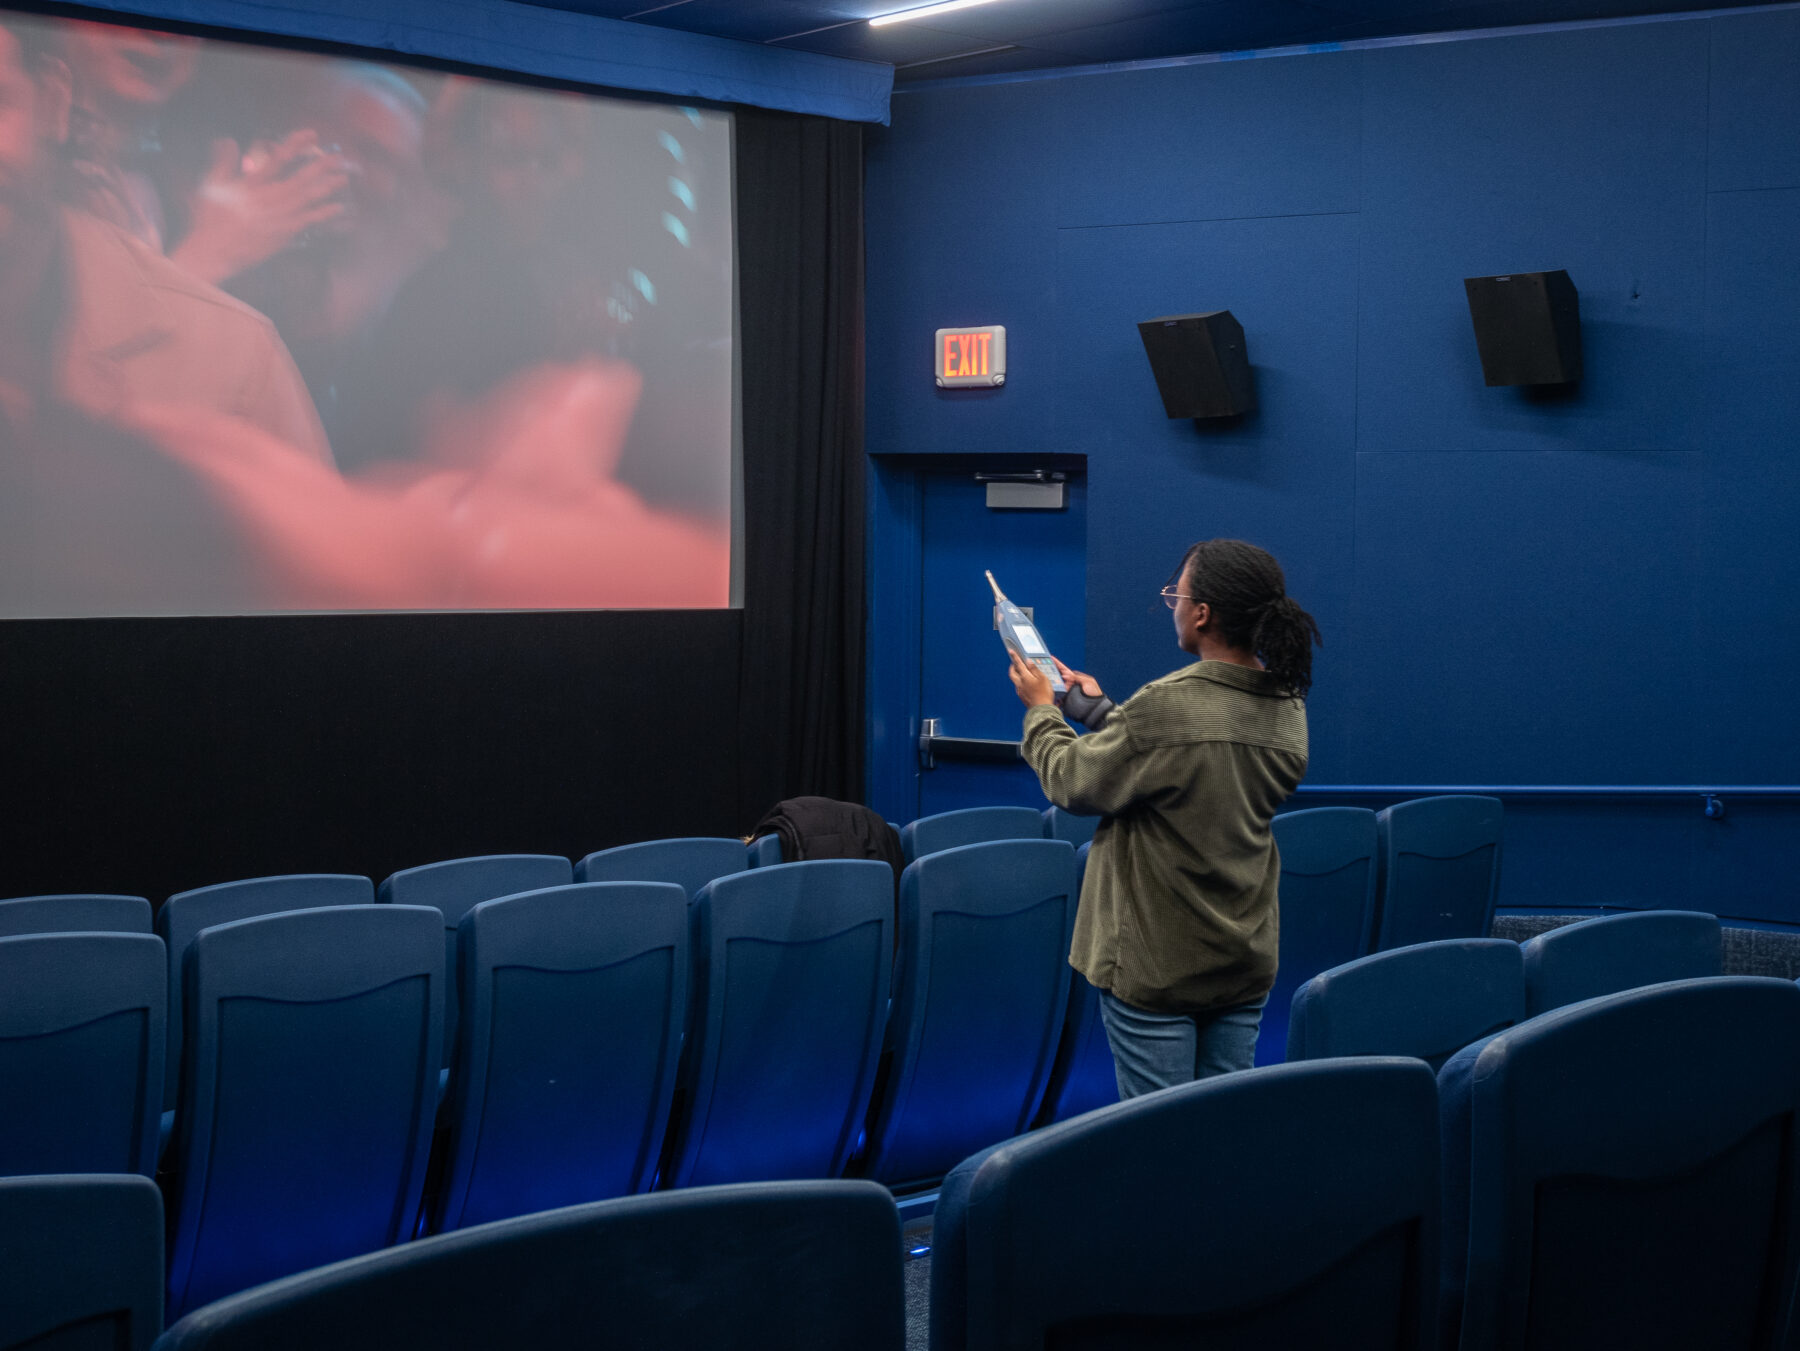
(1178, 909)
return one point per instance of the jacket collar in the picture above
(1247, 678)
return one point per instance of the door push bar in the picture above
(933, 745)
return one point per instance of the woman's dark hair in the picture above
(1248, 595)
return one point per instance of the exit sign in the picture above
(971, 356)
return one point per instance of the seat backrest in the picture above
(1440, 869)
(1626, 1172)
(1065, 825)
(84, 913)
(577, 996)
(1429, 1000)
(689, 863)
(791, 973)
(308, 1094)
(81, 1048)
(970, 825)
(765, 851)
(981, 986)
(185, 914)
(1327, 898)
(454, 887)
(795, 1264)
(1084, 1076)
(81, 1262)
(1618, 952)
(1291, 1206)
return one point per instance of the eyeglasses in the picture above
(1170, 595)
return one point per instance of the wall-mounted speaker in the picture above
(1527, 326)
(1201, 366)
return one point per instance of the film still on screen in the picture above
(287, 332)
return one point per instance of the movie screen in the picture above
(289, 332)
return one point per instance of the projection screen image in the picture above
(290, 332)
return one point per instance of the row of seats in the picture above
(456, 885)
(1353, 881)
(311, 1066)
(1432, 999)
(1617, 1174)
(314, 1042)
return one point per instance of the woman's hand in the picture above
(255, 205)
(1031, 683)
(1079, 680)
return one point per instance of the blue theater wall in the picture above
(1596, 588)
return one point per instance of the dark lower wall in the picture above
(149, 756)
(1594, 587)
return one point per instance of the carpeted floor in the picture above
(1747, 952)
(917, 1275)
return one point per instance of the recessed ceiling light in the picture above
(925, 11)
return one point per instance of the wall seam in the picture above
(1207, 220)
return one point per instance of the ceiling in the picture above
(1012, 35)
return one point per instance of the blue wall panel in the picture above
(1567, 856)
(1749, 524)
(1743, 866)
(1577, 150)
(1592, 586)
(1247, 138)
(1281, 476)
(1755, 102)
(1525, 617)
(960, 232)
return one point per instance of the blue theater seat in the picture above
(308, 1094)
(1295, 1206)
(85, 913)
(770, 1265)
(1084, 1076)
(577, 996)
(456, 886)
(791, 968)
(1065, 825)
(81, 1263)
(980, 989)
(971, 825)
(1327, 906)
(689, 863)
(81, 1048)
(1618, 952)
(1429, 1001)
(185, 914)
(1440, 869)
(1623, 1172)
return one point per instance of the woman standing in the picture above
(1178, 926)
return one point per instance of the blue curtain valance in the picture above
(560, 45)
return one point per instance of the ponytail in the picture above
(1245, 587)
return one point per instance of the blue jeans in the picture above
(1159, 1050)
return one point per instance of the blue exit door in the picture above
(1039, 558)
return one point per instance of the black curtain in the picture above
(800, 288)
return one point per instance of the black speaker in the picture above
(1528, 327)
(1201, 366)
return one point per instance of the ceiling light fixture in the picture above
(925, 11)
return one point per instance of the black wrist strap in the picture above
(1090, 710)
